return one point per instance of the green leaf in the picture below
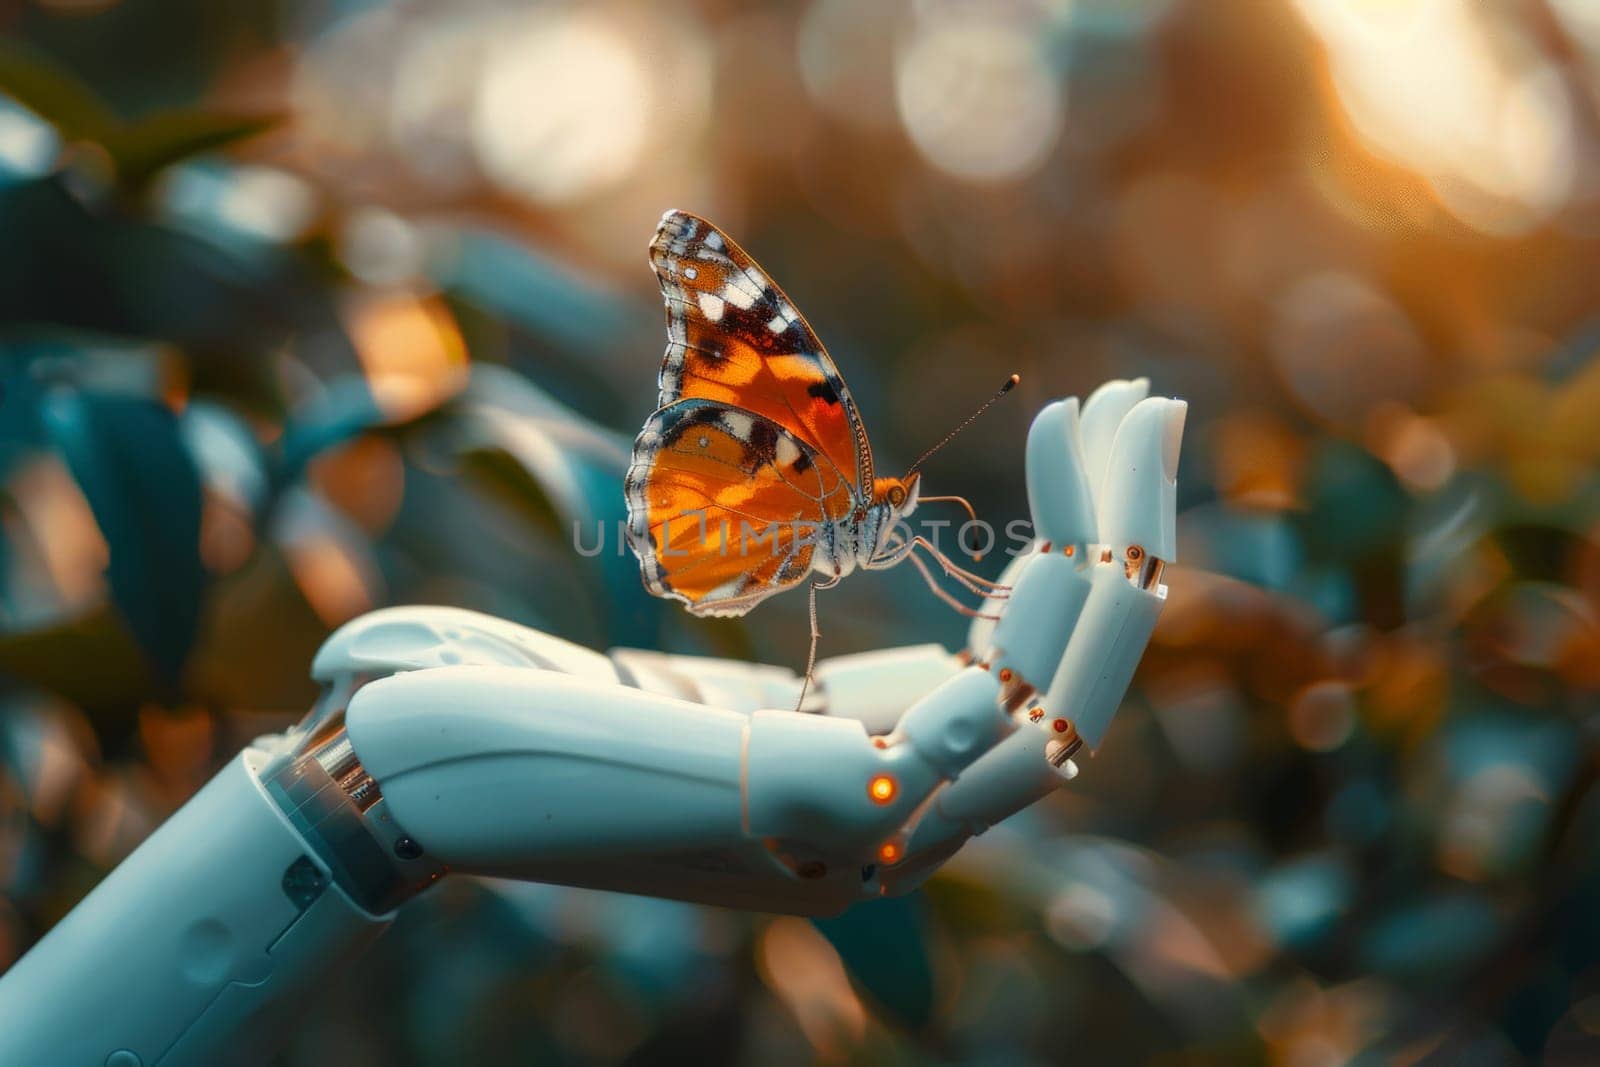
(499, 474)
(884, 946)
(143, 148)
(92, 661)
(344, 411)
(144, 490)
(139, 149)
(43, 87)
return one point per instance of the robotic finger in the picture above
(1137, 523)
(1009, 777)
(1066, 629)
(1048, 588)
(1103, 414)
(1082, 623)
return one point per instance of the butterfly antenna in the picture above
(1011, 383)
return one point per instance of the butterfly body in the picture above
(862, 539)
(755, 472)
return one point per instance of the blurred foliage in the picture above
(136, 150)
(310, 308)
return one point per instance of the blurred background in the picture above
(312, 307)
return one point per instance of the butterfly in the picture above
(755, 473)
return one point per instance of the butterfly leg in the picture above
(811, 654)
(816, 632)
(973, 583)
(940, 592)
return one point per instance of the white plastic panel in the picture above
(1100, 660)
(1097, 427)
(877, 687)
(1139, 503)
(1038, 619)
(417, 637)
(489, 768)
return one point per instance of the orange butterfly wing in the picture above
(734, 337)
(724, 505)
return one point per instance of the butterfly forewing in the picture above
(735, 338)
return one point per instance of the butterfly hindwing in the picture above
(724, 505)
(735, 338)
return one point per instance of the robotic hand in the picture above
(448, 741)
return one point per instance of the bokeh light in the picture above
(977, 96)
(593, 125)
(1458, 92)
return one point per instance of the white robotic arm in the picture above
(448, 741)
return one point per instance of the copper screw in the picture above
(1135, 553)
(1066, 726)
(1035, 714)
(1005, 674)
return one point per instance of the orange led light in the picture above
(889, 852)
(882, 789)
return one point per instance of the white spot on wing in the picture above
(714, 240)
(737, 424)
(726, 590)
(690, 273)
(788, 453)
(739, 298)
(711, 306)
(777, 325)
